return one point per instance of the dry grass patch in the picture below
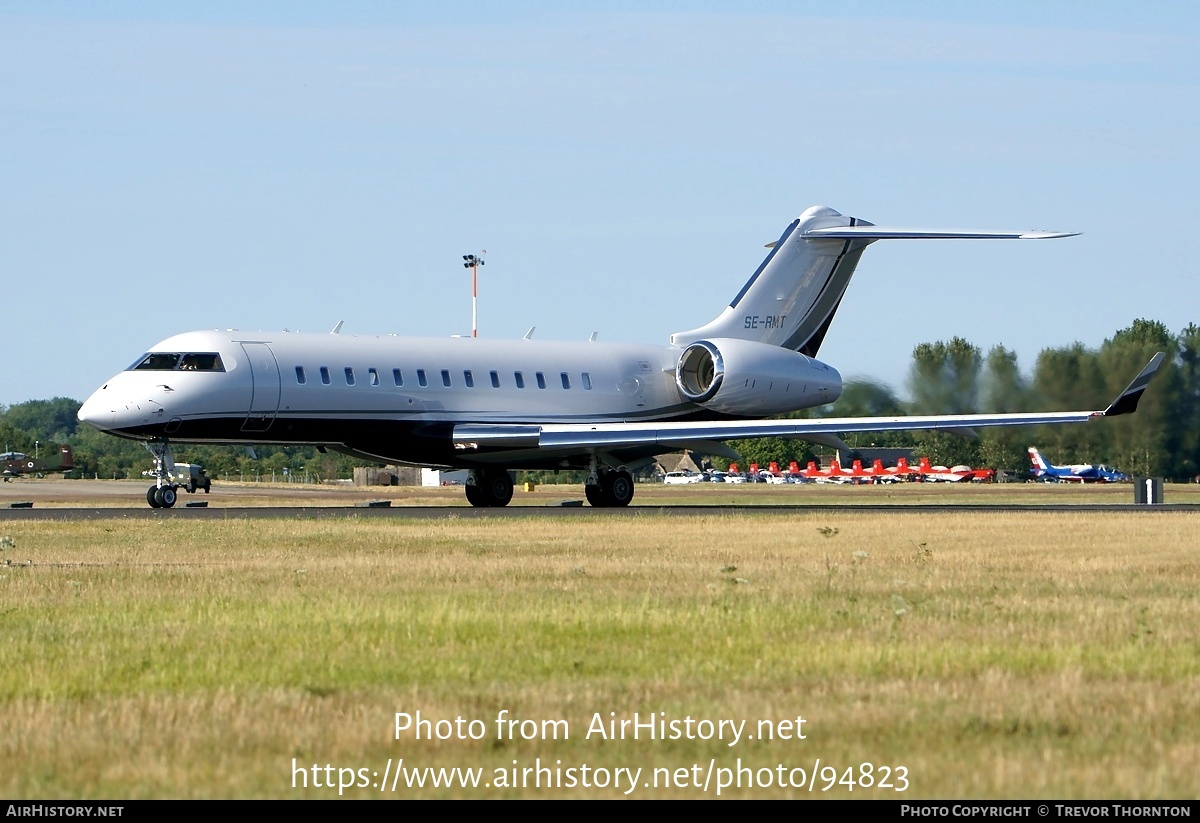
(993, 654)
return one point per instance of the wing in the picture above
(668, 436)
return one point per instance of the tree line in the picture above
(955, 377)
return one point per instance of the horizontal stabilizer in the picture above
(883, 233)
(791, 298)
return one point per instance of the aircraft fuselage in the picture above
(397, 399)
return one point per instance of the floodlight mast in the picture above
(473, 262)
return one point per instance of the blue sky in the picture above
(175, 166)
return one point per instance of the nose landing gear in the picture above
(163, 494)
(161, 497)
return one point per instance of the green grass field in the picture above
(965, 655)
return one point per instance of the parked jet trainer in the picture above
(491, 406)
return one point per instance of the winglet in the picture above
(1127, 402)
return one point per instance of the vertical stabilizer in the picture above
(791, 299)
(1039, 462)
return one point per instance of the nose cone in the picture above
(97, 411)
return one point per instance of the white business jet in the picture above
(491, 406)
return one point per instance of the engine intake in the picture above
(744, 377)
(700, 371)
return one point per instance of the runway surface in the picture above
(57, 499)
(469, 513)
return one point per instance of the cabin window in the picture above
(520, 379)
(566, 381)
(325, 375)
(495, 380)
(541, 380)
(446, 378)
(469, 378)
(300, 378)
(374, 375)
(397, 377)
(349, 376)
(422, 381)
(587, 382)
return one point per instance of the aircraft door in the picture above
(264, 398)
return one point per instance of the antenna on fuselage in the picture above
(529, 334)
(338, 328)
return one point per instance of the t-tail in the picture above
(791, 298)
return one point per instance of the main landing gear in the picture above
(609, 488)
(164, 493)
(489, 487)
(605, 487)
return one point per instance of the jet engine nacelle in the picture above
(743, 377)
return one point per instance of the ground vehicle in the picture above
(680, 478)
(191, 477)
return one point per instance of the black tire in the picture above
(595, 496)
(166, 497)
(618, 488)
(152, 497)
(207, 485)
(473, 495)
(497, 488)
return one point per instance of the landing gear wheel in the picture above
(618, 488)
(165, 497)
(615, 490)
(491, 488)
(152, 497)
(497, 488)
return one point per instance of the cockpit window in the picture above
(201, 362)
(156, 361)
(172, 361)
